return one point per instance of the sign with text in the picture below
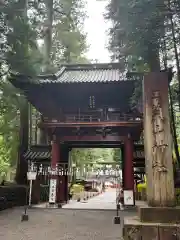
(139, 154)
(31, 175)
(128, 197)
(52, 191)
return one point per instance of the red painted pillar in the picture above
(55, 153)
(128, 164)
(63, 177)
(66, 182)
(61, 182)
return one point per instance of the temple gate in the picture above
(83, 105)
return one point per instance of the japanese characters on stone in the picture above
(158, 131)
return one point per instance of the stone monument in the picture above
(159, 218)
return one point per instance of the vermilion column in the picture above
(128, 164)
(55, 154)
(63, 177)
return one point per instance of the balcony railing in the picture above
(70, 118)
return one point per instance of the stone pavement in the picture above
(64, 224)
(104, 201)
(59, 224)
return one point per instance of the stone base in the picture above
(24, 217)
(159, 214)
(136, 230)
(52, 205)
(117, 220)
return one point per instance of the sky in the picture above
(96, 27)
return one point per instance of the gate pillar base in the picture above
(52, 205)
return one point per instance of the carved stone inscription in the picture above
(159, 144)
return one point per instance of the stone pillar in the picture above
(158, 141)
(55, 154)
(128, 164)
(159, 218)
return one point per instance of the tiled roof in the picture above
(83, 73)
(31, 155)
(80, 73)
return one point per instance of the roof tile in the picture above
(87, 73)
(31, 155)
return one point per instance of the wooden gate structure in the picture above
(85, 105)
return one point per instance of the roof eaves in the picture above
(60, 72)
(91, 66)
(22, 78)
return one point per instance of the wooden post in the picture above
(128, 164)
(158, 141)
(53, 181)
(62, 195)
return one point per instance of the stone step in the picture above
(134, 229)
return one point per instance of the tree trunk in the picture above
(173, 127)
(48, 35)
(153, 57)
(22, 165)
(175, 51)
(47, 55)
(172, 123)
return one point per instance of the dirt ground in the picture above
(59, 224)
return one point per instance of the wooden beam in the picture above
(76, 144)
(97, 138)
(91, 124)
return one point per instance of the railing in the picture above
(94, 118)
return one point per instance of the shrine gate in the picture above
(84, 105)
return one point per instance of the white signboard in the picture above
(31, 176)
(52, 190)
(128, 197)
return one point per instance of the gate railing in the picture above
(45, 171)
(69, 118)
(44, 174)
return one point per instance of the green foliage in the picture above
(95, 157)
(117, 156)
(4, 163)
(69, 40)
(18, 45)
(145, 36)
(137, 29)
(23, 24)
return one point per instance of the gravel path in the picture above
(59, 224)
(104, 201)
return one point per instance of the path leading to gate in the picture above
(59, 224)
(63, 224)
(104, 201)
